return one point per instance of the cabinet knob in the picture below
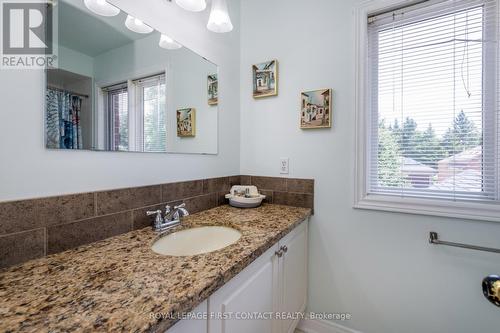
(491, 289)
(284, 248)
(279, 253)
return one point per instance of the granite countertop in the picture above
(116, 284)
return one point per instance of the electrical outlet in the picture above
(284, 165)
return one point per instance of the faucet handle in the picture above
(158, 217)
(153, 212)
(182, 205)
(167, 209)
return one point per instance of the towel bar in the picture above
(434, 239)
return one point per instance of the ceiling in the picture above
(90, 34)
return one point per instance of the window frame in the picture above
(108, 93)
(363, 120)
(138, 87)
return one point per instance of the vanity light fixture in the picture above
(168, 43)
(219, 20)
(101, 7)
(192, 5)
(137, 25)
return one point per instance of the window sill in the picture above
(442, 208)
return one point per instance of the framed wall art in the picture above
(213, 89)
(265, 79)
(186, 122)
(316, 109)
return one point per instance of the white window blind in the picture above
(433, 100)
(152, 106)
(118, 117)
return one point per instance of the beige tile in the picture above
(66, 236)
(269, 183)
(31, 214)
(18, 216)
(180, 190)
(268, 194)
(124, 199)
(20, 247)
(199, 203)
(213, 185)
(300, 185)
(245, 180)
(221, 198)
(65, 208)
(233, 180)
(293, 199)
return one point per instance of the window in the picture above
(118, 117)
(428, 123)
(152, 109)
(141, 124)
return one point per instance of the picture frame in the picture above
(265, 79)
(186, 122)
(316, 109)
(213, 89)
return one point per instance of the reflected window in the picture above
(151, 109)
(118, 114)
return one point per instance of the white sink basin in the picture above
(190, 242)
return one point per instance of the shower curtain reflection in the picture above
(63, 120)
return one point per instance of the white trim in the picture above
(464, 210)
(323, 326)
(456, 209)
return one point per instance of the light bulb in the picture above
(217, 17)
(168, 43)
(219, 20)
(101, 7)
(137, 25)
(192, 5)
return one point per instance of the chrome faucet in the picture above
(176, 213)
(172, 217)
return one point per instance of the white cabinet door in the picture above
(192, 325)
(251, 292)
(293, 275)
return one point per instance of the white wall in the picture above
(28, 170)
(377, 266)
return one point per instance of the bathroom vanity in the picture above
(120, 284)
(275, 283)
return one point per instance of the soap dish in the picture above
(242, 196)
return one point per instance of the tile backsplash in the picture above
(284, 191)
(37, 227)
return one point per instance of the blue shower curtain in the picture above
(63, 120)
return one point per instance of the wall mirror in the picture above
(121, 86)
